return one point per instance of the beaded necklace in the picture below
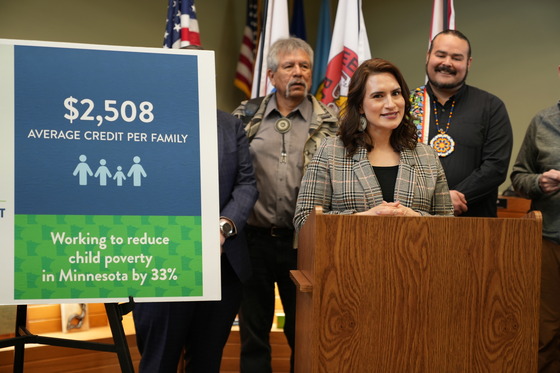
(442, 142)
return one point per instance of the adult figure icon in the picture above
(103, 173)
(82, 170)
(137, 172)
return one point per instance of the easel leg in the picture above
(19, 348)
(114, 314)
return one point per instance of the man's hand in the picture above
(459, 202)
(549, 181)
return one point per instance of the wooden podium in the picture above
(422, 294)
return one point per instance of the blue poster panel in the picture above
(106, 195)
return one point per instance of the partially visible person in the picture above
(164, 329)
(468, 127)
(536, 175)
(284, 130)
(375, 166)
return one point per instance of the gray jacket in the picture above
(323, 124)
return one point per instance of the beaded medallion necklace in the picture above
(442, 142)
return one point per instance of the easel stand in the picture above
(115, 312)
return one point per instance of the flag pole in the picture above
(358, 13)
(261, 48)
(445, 15)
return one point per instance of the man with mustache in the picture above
(284, 130)
(468, 127)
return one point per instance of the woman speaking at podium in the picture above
(375, 166)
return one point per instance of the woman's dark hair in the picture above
(403, 137)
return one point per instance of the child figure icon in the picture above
(119, 176)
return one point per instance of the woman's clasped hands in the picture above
(390, 209)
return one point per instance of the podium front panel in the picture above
(427, 294)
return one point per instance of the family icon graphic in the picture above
(103, 173)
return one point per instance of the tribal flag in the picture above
(443, 17)
(349, 48)
(322, 47)
(246, 63)
(181, 28)
(274, 27)
(297, 26)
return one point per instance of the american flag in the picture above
(244, 74)
(181, 28)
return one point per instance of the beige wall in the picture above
(515, 42)
(129, 22)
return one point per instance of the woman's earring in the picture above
(363, 123)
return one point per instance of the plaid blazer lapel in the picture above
(406, 179)
(364, 172)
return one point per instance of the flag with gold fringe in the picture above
(349, 48)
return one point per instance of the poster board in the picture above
(109, 176)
